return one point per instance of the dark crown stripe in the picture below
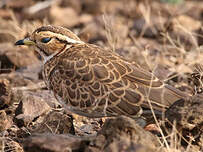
(59, 30)
(47, 28)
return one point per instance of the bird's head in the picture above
(50, 40)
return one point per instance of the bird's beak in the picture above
(25, 41)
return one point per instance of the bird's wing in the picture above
(103, 80)
(159, 94)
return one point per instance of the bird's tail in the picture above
(161, 97)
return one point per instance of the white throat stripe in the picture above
(72, 40)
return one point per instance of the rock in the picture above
(200, 38)
(76, 4)
(187, 115)
(85, 126)
(54, 143)
(7, 144)
(11, 57)
(132, 9)
(185, 23)
(117, 134)
(64, 16)
(197, 78)
(38, 10)
(91, 7)
(6, 37)
(5, 14)
(85, 19)
(181, 29)
(144, 29)
(19, 4)
(32, 72)
(16, 79)
(30, 107)
(123, 134)
(108, 28)
(116, 31)
(5, 122)
(55, 122)
(5, 94)
(93, 32)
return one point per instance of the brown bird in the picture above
(95, 82)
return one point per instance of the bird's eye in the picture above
(45, 40)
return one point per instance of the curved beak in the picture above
(25, 41)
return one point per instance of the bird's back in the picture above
(95, 82)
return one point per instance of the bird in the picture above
(95, 82)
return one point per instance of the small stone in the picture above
(187, 115)
(7, 144)
(184, 22)
(5, 123)
(54, 143)
(56, 122)
(31, 107)
(11, 58)
(124, 134)
(5, 96)
(57, 15)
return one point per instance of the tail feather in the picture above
(161, 97)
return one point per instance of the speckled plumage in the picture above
(94, 82)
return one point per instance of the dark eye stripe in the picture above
(45, 40)
(62, 41)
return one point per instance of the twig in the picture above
(36, 86)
